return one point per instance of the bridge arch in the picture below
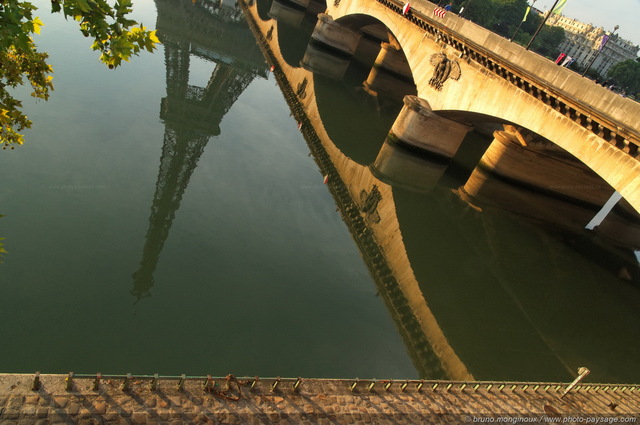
(592, 124)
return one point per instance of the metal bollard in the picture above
(489, 387)
(448, 387)
(154, 382)
(296, 385)
(274, 386)
(463, 386)
(69, 382)
(404, 385)
(183, 377)
(419, 387)
(582, 372)
(36, 382)
(370, 387)
(127, 383)
(434, 386)
(96, 382)
(501, 387)
(254, 383)
(388, 385)
(475, 387)
(209, 384)
(354, 384)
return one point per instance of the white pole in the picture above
(606, 209)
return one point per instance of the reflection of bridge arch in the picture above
(386, 230)
(500, 79)
(370, 118)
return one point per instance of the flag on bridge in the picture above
(605, 38)
(439, 12)
(560, 57)
(558, 9)
(526, 13)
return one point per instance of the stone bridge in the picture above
(463, 74)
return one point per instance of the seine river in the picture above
(171, 217)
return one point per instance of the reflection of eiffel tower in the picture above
(191, 115)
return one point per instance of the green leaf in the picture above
(84, 5)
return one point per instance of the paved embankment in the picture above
(35, 399)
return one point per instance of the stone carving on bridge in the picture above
(445, 68)
(370, 202)
(301, 91)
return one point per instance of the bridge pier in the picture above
(393, 60)
(399, 167)
(417, 125)
(287, 14)
(549, 173)
(330, 33)
(390, 74)
(324, 62)
(303, 3)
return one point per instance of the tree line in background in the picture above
(626, 75)
(505, 17)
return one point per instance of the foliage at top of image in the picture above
(505, 17)
(115, 36)
(626, 74)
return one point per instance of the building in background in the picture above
(582, 42)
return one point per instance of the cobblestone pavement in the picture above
(117, 400)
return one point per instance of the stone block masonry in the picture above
(97, 399)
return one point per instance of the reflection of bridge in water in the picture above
(192, 114)
(388, 203)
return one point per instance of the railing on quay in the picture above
(208, 383)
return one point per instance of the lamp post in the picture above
(522, 22)
(465, 7)
(600, 49)
(542, 24)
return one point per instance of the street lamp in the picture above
(522, 22)
(465, 7)
(600, 49)
(542, 24)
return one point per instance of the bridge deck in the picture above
(326, 401)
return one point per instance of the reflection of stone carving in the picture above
(301, 91)
(270, 33)
(444, 68)
(370, 203)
